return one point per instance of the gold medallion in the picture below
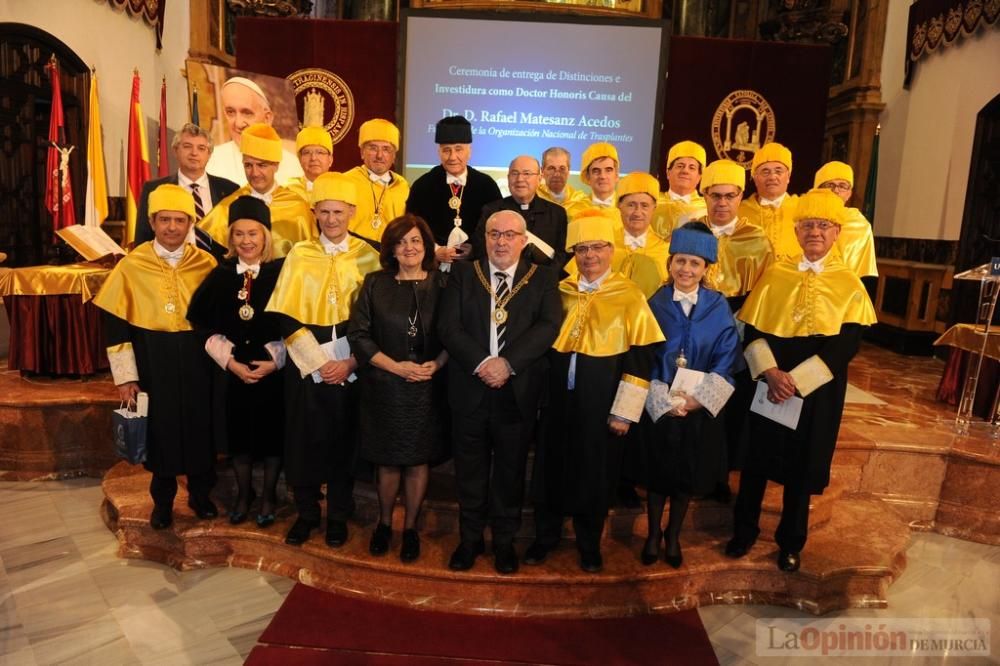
(376, 221)
(242, 294)
(246, 312)
(170, 307)
(682, 361)
(499, 315)
(454, 203)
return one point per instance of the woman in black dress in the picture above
(246, 343)
(392, 335)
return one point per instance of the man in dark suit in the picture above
(450, 197)
(192, 147)
(499, 316)
(546, 220)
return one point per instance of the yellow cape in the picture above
(605, 322)
(778, 224)
(856, 243)
(790, 303)
(670, 214)
(146, 292)
(291, 219)
(391, 197)
(647, 267)
(318, 289)
(298, 185)
(743, 256)
(573, 202)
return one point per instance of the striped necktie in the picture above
(199, 209)
(501, 293)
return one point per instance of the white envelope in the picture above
(786, 413)
(336, 350)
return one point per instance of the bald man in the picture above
(244, 104)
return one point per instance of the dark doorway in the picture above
(980, 238)
(25, 104)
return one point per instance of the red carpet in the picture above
(316, 627)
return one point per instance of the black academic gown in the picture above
(544, 219)
(579, 466)
(801, 458)
(176, 374)
(429, 197)
(254, 412)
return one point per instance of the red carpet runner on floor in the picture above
(316, 627)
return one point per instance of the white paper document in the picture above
(786, 413)
(336, 350)
(685, 381)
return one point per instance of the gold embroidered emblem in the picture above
(323, 99)
(743, 122)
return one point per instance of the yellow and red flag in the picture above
(137, 171)
(162, 161)
(96, 210)
(58, 185)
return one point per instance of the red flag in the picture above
(162, 161)
(58, 186)
(137, 159)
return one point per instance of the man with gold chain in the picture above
(291, 219)
(450, 197)
(315, 150)
(681, 202)
(771, 207)
(382, 193)
(599, 378)
(555, 186)
(319, 282)
(152, 348)
(856, 242)
(804, 321)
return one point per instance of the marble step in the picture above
(848, 563)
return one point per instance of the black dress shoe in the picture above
(203, 507)
(464, 557)
(299, 533)
(650, 551)
(336, 533)
(788, 560)
(737, 547)
(536, 553)
(410, 549)
(591, 561)
(504, 558)
(674, 556)
(161, 518)
(379, 545)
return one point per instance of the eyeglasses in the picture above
(514, 175)
(508, 235)
(716, 197)
(838, 187)
(314, 152)
(587, 249)
(822, 225)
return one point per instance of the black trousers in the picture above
(339, 494)
(163, 489)
(587, 526)
(491, 450)
(793, 528)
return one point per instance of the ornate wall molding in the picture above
(151, 11)
(936, 23)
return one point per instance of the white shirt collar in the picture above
(309, 184)
(185, 182)
(242, 267)
(457, 180)
(726, 229)
(686, 198)
(635, 242)
(558, 196)
(607, 203)
(266, 196)
(385, 178)
(690, 297)
(584, 286)
(509, 271)
(171, 257)
(774, 203)
(814, 266)
(333, 248)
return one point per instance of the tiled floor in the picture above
(66, 598)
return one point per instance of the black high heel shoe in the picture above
(266, 519)
(650, 551)
(236, 516)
